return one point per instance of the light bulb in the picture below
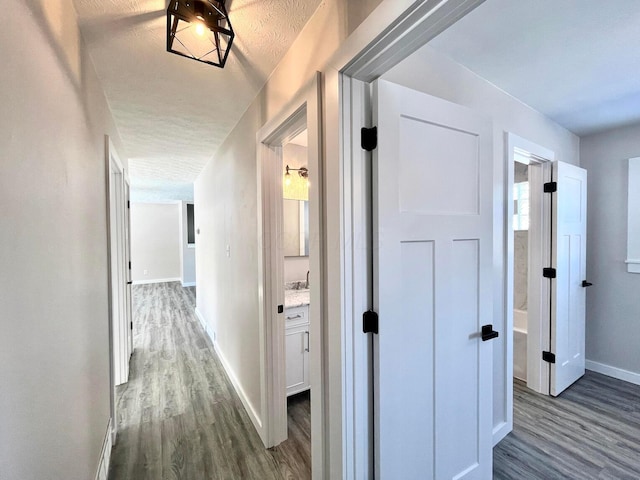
(287, 180)
(200, 29)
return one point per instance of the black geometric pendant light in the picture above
(200, 30)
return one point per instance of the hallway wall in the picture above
(613, 309)
(155, 242)
(54, 338)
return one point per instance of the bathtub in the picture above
(520, 344)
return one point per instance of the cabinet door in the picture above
(297, 369)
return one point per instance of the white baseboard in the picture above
(253, 415)
(156, 280)
(188, 284)
(614, 372)
(501, 431)
(203, 322)
(105, 455)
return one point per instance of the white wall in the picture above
(433, 73)
(295, 268)
(613, 308)
(187, 253)
(54, 336)
(155, 242)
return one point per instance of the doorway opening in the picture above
(291, 279)
(119, 257)
(521, 267)
(296, 268)
(529, 252)
(530, 243)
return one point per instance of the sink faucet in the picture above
(307, 278)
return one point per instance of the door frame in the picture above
(539, 290)
(117, 248)
(392, 32)
(303, 111)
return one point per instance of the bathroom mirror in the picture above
(296, 227)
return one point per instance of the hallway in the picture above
(179, 417)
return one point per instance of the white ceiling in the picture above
(173, 113)
(576, 61)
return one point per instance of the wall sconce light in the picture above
(296, 187)
(200, 30)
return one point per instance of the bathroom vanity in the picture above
(296, 317)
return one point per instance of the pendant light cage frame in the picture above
(212, 14)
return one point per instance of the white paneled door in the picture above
(433, 247)
(569, 240)
(129, 280)
(119, 251)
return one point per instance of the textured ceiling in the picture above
(576, 61)
(173, 113)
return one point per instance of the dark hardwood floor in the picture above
(591, 431)
(179, 417)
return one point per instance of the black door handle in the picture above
(129, 283)
(488, 333)
(586, 284)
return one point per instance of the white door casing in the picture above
(433, 241)
(118, 268)
(118, 243)
(568, 299)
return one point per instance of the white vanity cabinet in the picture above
(297, 348)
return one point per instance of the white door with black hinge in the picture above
(568, 299)
(433, 253)
(127, 239)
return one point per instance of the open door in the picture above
(127, 239)
(568, 299)
(119, 274)
(433, 241)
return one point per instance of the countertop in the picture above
(296, 298)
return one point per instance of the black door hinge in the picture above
(369, 138)
(129, 264)
(549, 357)
(550, 187)
(131, 324)
(370, 322)
(549, 272)
(128, 204)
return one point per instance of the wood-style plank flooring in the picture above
(591, 431)
(179, 417)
